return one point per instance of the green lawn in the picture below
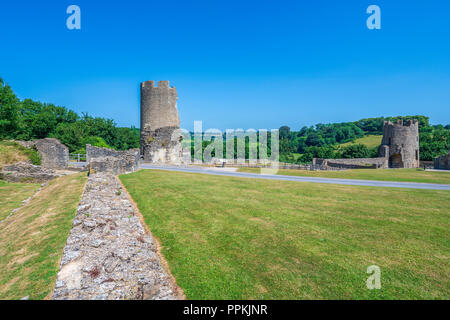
(32, 240)
(370, 141)
(401, 175)
(231, 238)
(12, 195)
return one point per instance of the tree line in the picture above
(27, 120)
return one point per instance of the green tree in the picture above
(9, 111)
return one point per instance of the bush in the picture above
(93, 141)
(35, 158)
(356, 151)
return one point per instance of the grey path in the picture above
(369, 183)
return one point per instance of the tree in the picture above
(355, 151)
(284, 132)
(9, 111)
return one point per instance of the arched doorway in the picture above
(395, 161)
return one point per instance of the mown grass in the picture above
(32, 240)
(400, 175)
(12, 152)
(12, 195)
(231, 238)
(370, 141)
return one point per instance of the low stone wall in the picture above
(109, 255)
(358, 163)
(442, 162)
(26, 172)
(113, 161)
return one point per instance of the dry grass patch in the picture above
(34, 237)
(12, 195)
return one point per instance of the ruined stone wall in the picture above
(54, 155)
(442, 162)
(108, 254)
(358, 163)
(109, 160)
(26, 172)
(160, 141)
(400, 144)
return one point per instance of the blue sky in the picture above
(236, 64)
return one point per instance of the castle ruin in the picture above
(160, 123)
(400, 144)
(399, 149)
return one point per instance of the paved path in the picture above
(369, 183)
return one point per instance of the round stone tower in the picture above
(400, 144)
(159, 122)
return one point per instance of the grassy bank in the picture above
(12, 152)
(32, 240)
(231, 238)
(12, 195)
(401, 175)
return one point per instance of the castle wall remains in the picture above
(113, 161)
(54, 155)
(400, 144)
(160, 123)
(442, 162)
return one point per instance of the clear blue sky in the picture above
(236, 64)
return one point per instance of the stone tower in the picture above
(160, 142)
(400, 144)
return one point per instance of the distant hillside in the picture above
(370, 141)
(358, 139)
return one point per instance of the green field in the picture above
(400, 175)
(231, 238)
(370, 141)
(33, 238)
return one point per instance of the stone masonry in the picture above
(400, 144)
(442, 162)
(358, 163)
(160, 123)
(54, 155)
(26, 172)
(113, 161)
(108, 254)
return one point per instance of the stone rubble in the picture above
(108, 254)
(27, 172)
